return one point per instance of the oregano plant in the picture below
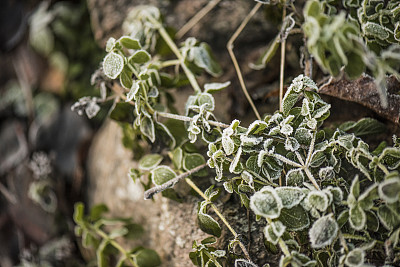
(324, 196)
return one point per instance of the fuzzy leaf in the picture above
(162, 174)
(290, 196)
(191, 161)
(150, 161)
(177, 156)
(288, 102)
(323, 231)
(266, 203)
(365, 126)
(113, 65)
(375, 30)
(295, 219)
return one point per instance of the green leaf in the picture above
(176, 157)
(206, 98)
(146, 258)
(97, 211)
(110, 44)
(113, 65)
(206, 223)
(389, 190)
(102, 259)
(139, 57)
(355, 257)
(389, 218)
(290, 196)
(372, 221)
(147, 128)
(318, 200)
(288, 102)
(215, 87)
(203, 58)
(323, 232)
(357, 218)
(295, 219)
(355, 66)
(266, 203)
(365, 126)
(375, 30)
(391, 156)
(366, 199)
(191, 161)
(295, 177)
(79, 210)
(272, 47)
(355, 187)
(150, 161)
(162, 174)
(126, 78)
(129, 42)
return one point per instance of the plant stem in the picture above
(113, 243)
(283, 50)
(164, 34)
(236, 235)
(234, 60)
(194, 20)
(168, 63)
(157, 189)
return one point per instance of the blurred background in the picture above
(47, 56)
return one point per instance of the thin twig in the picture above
(185, 118)
(157, 189)
(283, 50)
(234, 60)
(193, 21)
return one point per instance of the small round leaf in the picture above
(266, 203)
(162, 174)
(323, 231)
(113, 65)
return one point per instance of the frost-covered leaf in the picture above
(389, 190)
(337, 194)
(147, 128)
(150, 161)
(357, 218)
(289, 101)
(139, 57)
(290, 196)
(355, 257)
(366, 199)
(294, 177)
(162, 174)
(323, 231)
(355, 187)
(266, 203)
(375, 30)
(326, 173)
(228, 145)
(372, 221)
(129, 42)
(206, 98)
(251, 164)
(215, 87)
(113, 65)
(365, 126)
(244, 263)
(389, 218)
(133, 91)
(236, 161)
(274, 231)
(126, 78)
(110, 44)
(203, 58)
(303, 136)
(295, 219)
(206, 223)
(191, 161)
(322, 112)
(391, 157)
(318, 200)
(291, 144)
